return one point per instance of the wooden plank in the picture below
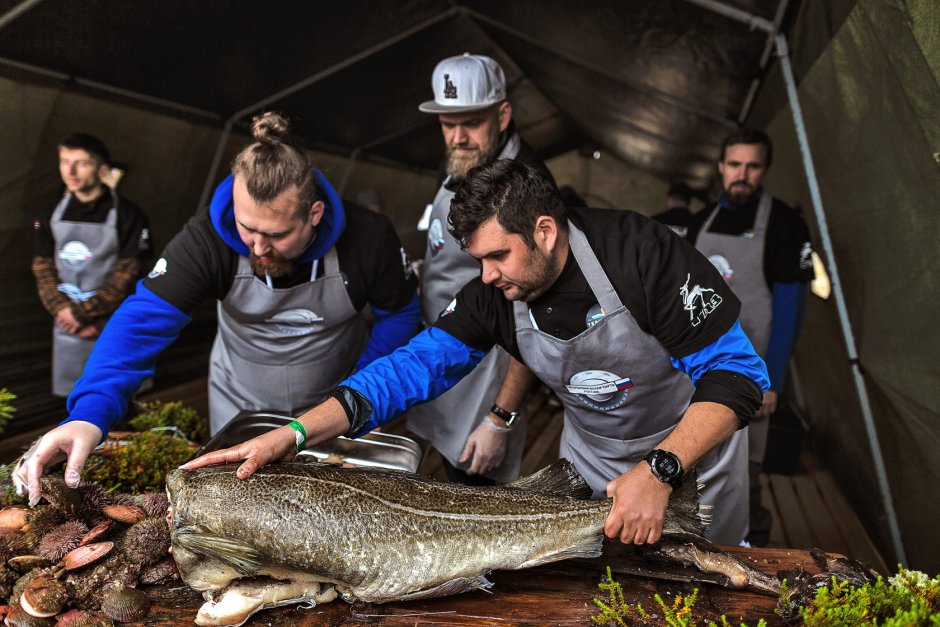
(796, 531)
(825, 530)
(544, 449)
(777, 538)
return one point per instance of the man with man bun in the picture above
(291, 265)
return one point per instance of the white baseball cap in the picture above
(469, 82)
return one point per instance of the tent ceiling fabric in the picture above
(656, 84)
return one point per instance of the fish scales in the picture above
(383, 534)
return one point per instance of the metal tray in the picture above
(375, 449)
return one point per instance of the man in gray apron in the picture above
(761, 247)
(87, 255)
(629, 325)
(476, 122)
(291, 265)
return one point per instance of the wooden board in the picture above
(562, 593)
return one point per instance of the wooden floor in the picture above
(808, 506)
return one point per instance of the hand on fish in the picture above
(73, 441)
(486, 447)
(272, 446)
(639, 508)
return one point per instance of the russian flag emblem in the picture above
(624, 384)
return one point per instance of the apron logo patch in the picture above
(159, 269)
(436, 236)
(721, 264)
(694, 301)
(295, 321)
(75, 254)
(599, 389)
(594, 315)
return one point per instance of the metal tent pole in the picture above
(880, 471)
(782, 51)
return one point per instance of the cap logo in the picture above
(450, 90)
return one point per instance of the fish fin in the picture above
(592, 547)
(454, 586)
(241, 556)
(561, 478)
(685, 514)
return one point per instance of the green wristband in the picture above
(300, 434)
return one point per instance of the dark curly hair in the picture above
(515, 193)
(749, 136)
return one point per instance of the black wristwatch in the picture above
(666, 467)
(509, 417)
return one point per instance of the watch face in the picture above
(666, 466)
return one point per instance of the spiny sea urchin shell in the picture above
(154, 503)
(94, 499)
(147, 542)
(61, 540)
(44, 597)
(42, 520)
(124, 604)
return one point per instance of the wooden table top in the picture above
(561, 593)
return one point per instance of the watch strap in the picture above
(509, 417)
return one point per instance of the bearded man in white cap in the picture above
(476, 426)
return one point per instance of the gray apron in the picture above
(622, 397)
(87, 252)
(740, 260)
(282, 350)
(448, 421)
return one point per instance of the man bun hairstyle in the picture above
(747, 135)
(275, 162)
(90, 144)
(512, 192)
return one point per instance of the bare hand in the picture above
(88, 332)
(486, 448)
(639, 508)
(65, 319)
(73, 441)
(268, 447)
(768, 406)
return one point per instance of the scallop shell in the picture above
(13, 518)
(124, 513)
(18, 617)
(83, 618)
(96, 532)
(85, 555)
(25, 563)
(44, 597)
(124, 604)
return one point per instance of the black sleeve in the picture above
(391, 280)
(688, 303)
(195, 265)
(788, 258)
(480, 317)
(134, 232)
(43, 241)
(731, 389)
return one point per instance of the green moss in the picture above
(8, 494)
(160, 415)
(140, 465)
(908, 598)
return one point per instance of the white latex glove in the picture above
(486, 447)
(73, 441)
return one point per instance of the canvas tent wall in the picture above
(653, 85)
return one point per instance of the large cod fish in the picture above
(303, 533)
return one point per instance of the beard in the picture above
(460, 162)
(740, 193)
(542, 270)
(277, 267)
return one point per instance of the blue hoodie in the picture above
(145, 324)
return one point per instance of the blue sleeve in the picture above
(789, 305)
(390, 330)
(421, 370)
(123, 357)
(733, 352)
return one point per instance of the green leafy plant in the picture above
(6, 407)
(161, 415)
(908, 598)
(8, 494)
(139, 464)
(616, 611)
